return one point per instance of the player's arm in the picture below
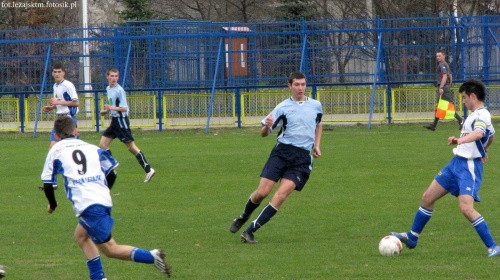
(108, 164)
(443, 82)
(490, 140)
(268, 123)
(110, 178)
(471, 137)
(49, 193)
(72, 103)
(49, 108)
(317, 141)
(451, 80)
(114, 108)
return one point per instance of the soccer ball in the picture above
(390, 246)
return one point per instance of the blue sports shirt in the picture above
(116, 97)
(298, 121)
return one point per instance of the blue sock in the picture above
(422, 216)
(141, 256)
(265, 215)
(249, 208)
(484, 232)
(95, 268)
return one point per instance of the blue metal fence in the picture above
(182, 56)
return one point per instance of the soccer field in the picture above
(366, 184)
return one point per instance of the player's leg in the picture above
(139, 155)
(436, 120)
(90, 251)
(271, 172)
(467, 207)
(129, 253)
(285, 188)
(262, 191)
(434, 192)
(105, 142)
(109, 135)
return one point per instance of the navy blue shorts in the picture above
(289, 162)
(119, 128)
(96, 219)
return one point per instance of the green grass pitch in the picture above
(366, 184)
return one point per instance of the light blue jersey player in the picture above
(117, 98)
(290, 162)
(462, 177)
(297, 123)
(88, 173)
(119, 128)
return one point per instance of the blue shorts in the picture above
(96, 219)
(53, 138)
(119, 128)
(462, 177)
(289, 162)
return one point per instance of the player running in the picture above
(290, 160)
(462, 177)
(88, 176)
(120, 124)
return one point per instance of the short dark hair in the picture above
(442, 51)
(64, 127)
(474, 86)
(112, 69)
(58, 65)
(296, 76)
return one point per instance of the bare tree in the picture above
(247, 10)
(220, 10)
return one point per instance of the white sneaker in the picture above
(2, 272)
(149, 175)
(160, 262)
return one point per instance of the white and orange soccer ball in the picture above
(390, 246)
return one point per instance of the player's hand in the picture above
(102, 113)
(107, 107)
(485, 159)
(317, 152)
(54, 101)
(50, 210)
(47, 108)
(452, 140)
(269, 121)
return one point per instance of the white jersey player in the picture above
(462, 177)
(88, 176)
(65, 100)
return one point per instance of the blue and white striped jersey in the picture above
(117, 98)
(478, 119)
(84, 168)
(298, 121)
(66, 91)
